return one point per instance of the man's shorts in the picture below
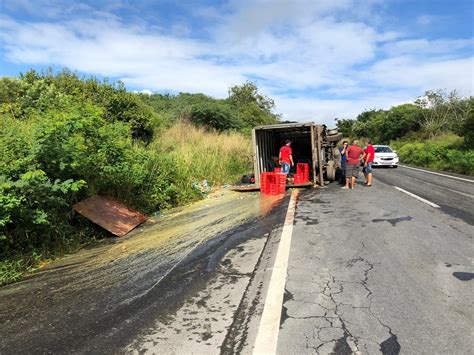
(285, 168)
(368, 168)
(352, 170)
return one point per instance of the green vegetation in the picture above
(437, 131)
(244, 109)
(64, 138)
(446, 152)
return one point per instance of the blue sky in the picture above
(317, 59)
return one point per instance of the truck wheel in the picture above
(331, 170)
(335, 138)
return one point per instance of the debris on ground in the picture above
(110, 213)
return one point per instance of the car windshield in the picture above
(383, 150)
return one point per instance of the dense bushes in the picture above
(442, 153)
(34, 92)
(57, 156)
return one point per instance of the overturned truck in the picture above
(311, 143)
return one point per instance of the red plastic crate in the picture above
(272, 183)
(302, 168)
(298, 179)
(267, 179)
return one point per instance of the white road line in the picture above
(432, 172)
(267, 335)
(417, 197)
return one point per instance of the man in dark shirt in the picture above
(342, 151)
(353, 154)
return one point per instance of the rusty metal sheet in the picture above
(240, 188)
(110, 214)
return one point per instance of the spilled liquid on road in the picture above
(81, 289)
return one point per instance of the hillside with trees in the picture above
(64, 138)
(436, 131)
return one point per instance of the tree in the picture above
(247, 93)
(253, 108)
(214, 115)
(468, 126)
(441, 111)
(363, 127)
(345, 126)
(398, 121)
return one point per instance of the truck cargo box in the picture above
(311, 143)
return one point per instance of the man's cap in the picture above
(287, 141)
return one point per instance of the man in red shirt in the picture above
(369, 154)
(286, 157)
(353, 154)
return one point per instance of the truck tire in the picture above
(335, 138)
(331, 170)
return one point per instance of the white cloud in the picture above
(423, 46)
(144, 91)
(328, 51)
(411, 73)
(426, 20)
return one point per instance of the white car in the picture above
(385, 156)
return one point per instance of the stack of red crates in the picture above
(272, 183)
(302, 173)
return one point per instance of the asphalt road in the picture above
(451, 192)
(369, 271)
(373, 270)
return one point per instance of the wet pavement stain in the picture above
(393, 221)
(287, 296)
(390, 346)
(463, 276)
(308, 221)
(342, 347)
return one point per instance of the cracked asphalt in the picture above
(370, 272)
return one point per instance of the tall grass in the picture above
(201, 154)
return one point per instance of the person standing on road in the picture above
(353, 155)
(342, 150)
(369, 153)
(286, 157)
